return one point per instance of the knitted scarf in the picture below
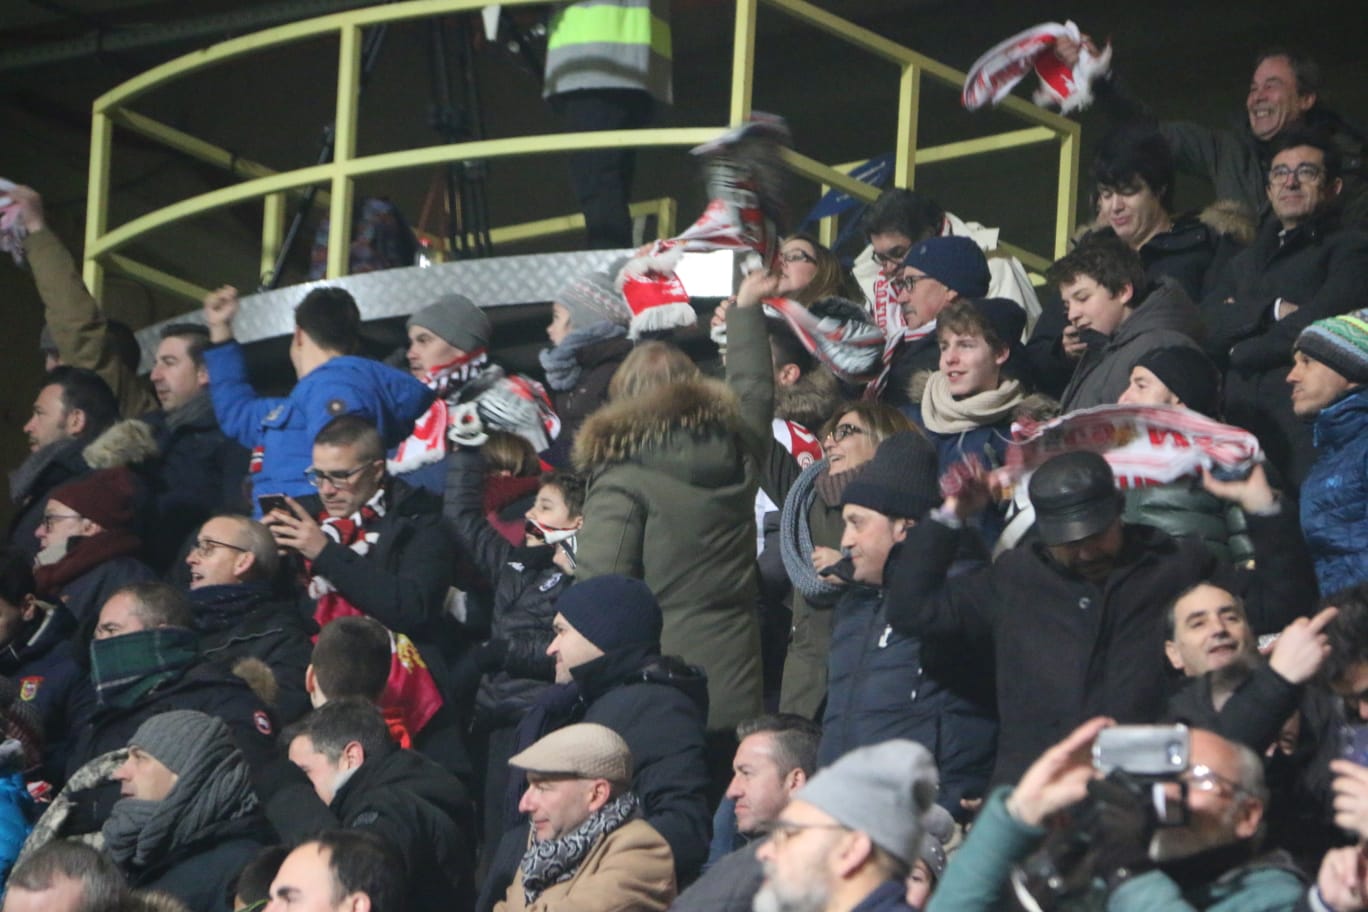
(795, 535)
(428, 442)
(83, 555)
(561, 363)
(215, 785)
(554, 861)
(195, 411)
(942, 413)
(21, 480)
(126, 668)
(217, 608)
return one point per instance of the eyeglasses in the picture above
(902, 284)
(205, 547)
(338, 479)
(51, 519)
(781, 831)
(1306, 173)
(892, 258)
(798, 256)
(1205, 779)
(842, 431)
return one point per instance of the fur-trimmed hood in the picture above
(124, 443)
(661, 423)
(1231, 218)
(810, 401)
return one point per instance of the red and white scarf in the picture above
(428, 442)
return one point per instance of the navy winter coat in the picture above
(1334, 505)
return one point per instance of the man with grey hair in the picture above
(588, 846)
(64, 876)
(849, 837)
(244, 624)
(1211, 861)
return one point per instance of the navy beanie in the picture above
(613, 612)
(956, 262)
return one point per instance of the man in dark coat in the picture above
(610, 671)
(73, 407)
(188, 820)
(237, 615)
(143, 661)
(346, 771)
(36, 654)
(1074, 618)
(1303, 266)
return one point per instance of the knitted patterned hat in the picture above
(595, 297)
(584, 751)
(104, 497)
(1340, 343)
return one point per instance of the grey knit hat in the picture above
(456, 319)
(585, 751)
(882, 790)
(177, 737)
(594, 298)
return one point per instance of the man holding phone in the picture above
(373, 545)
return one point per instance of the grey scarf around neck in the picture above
(21, 479)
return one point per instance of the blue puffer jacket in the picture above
(883, 685)
(284, 429)
(1334, 498)
(16, 819)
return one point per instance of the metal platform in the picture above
(491, 283)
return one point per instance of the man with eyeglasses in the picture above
(1303, 266)
(849, 837)
(1213, 861)
(373, 545)
(243, 623)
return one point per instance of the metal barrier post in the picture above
(97, 199)
(743, 60)
(344, 149)
(272, 232)
(1066, 206)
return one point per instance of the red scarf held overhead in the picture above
(410, 692)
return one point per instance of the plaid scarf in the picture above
(554, 861)
(126, 668)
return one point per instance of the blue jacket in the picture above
(1334, 498)
(882, 685)
(282, 431)
(16, 819)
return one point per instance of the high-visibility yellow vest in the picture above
(610, 44)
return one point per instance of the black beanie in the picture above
(613, 612)
(902, 480)
(1188, 373)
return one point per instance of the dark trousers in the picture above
(602, 178)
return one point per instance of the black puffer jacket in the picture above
(244, 622)
(1323, 269)
(938, 693)
(526, 586)
(404, 798)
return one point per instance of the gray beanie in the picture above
(594, 298)
(882, 791)
(456, 319)
(178, 737)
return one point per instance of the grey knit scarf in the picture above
(214, 786)
(21, 479)
(795, 535)
(193, 411)
(562, 367)
(554, 861)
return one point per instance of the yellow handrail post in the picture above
(909, 104)
(826, 228)
(743, 60)
(1067, 204)
(344, 150)
(97, 198)
(272, 233)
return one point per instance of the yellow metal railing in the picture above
(103, 245)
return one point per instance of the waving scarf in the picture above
(428, 442)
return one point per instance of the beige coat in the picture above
(629, 870)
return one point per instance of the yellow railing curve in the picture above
(103, 244)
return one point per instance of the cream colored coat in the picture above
(630, 870)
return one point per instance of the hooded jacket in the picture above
(1334, 499)
(1165, 316)
(283, 430)
(672, 481)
